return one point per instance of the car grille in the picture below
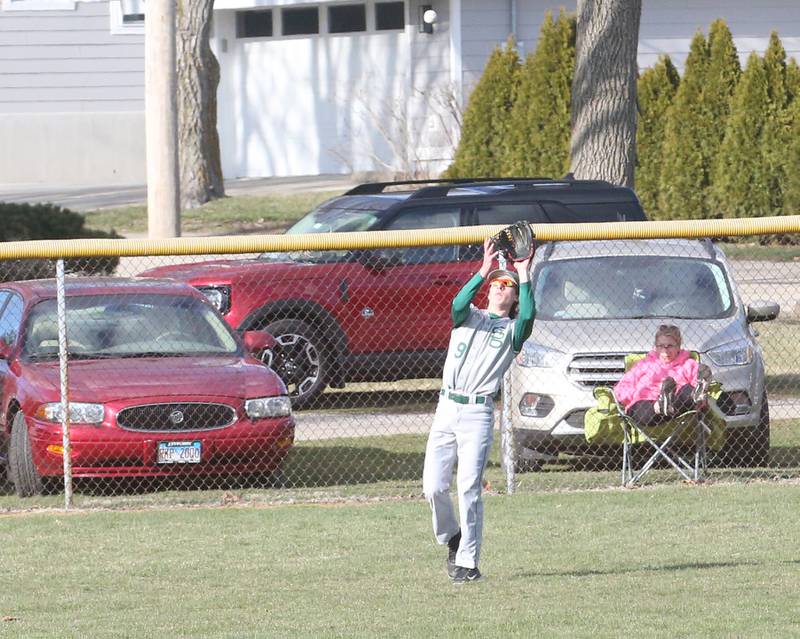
(177, 417)
(596, 369)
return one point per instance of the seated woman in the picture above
(667, 382)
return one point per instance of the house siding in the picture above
(56, 61)
(71, 98)
(72, 87)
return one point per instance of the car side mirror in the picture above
(5, 349)
(762, 311)
(257, 341)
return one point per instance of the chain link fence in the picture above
(166, 394)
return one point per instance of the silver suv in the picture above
(597, 301)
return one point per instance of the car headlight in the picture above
(262, 407)
(79, 413)
(535, 355)
(735, 354)
(219, 296)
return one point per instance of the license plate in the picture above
(178, 453)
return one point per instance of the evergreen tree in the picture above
(685, 170)
(775, 139)
(741, 187)
(538, 140)
(486, 119)
(656, 91)
(791, 196)
(722, 77)
(792, 80)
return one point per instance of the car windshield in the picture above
(128, 325)
(341, 215)
(631, 287)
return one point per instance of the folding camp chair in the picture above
(682, 442)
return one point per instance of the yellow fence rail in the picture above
(392, 239)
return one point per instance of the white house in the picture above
(332, 86)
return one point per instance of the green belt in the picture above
(463, 399)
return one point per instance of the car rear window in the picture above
(628, 211)
(510, 213)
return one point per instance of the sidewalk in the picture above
(92, 197)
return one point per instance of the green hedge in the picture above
(716, 142)
(486, 122)
(539, 132)
(48, 222)
(656, 90)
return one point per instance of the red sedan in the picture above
(159, 385)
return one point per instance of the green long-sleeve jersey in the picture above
(482, 345)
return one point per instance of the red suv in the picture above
(345, 315)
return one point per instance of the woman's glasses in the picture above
(666, 347)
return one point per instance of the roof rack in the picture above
(708, 245)
(517, 183)
(375, 188)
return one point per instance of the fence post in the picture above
(62, 364)
(506, 434)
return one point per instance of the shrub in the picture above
(722, 77)
(47, 222)
(685, 171)
(791, 198)
(792, 80)
(656, 91)
(741, 188)
(775, 139)
(486, 119)
(539, 135)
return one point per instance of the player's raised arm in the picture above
(460, 307)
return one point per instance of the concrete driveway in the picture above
(93, 197)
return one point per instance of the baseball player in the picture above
(482, 346)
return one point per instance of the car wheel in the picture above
(299, 359)
(749, 447)
(21, 469)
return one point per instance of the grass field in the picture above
(345, 548)
(230, 215)
(390, 467)
(712, 561)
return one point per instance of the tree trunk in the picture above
(198, 78)
(603, 144)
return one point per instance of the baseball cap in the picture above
(507, 277)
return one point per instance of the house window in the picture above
(132, 11)
(390, 15)
(347, 18)
(127, 16)
(254, 24)
(300, 21)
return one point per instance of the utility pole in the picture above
(161, 120)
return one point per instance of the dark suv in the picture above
(345, 315)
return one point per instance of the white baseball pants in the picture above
(463, 433)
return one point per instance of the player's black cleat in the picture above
(466, 575)
(452, 550)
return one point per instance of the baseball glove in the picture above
(516, 241)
